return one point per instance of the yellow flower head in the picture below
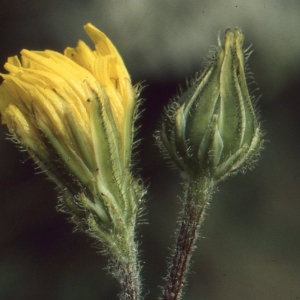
(74, 113)
(74, 110)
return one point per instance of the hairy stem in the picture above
(197, 196)
(125, 267)
(130, 281)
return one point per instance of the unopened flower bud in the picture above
(212, 128)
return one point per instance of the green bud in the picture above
(212, 128)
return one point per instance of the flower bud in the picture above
(212, 127)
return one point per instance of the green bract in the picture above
(212, 128)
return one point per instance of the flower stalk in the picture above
(197, 198)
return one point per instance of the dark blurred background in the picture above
(250, 245)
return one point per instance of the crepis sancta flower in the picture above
(212, 128)
(74, 114)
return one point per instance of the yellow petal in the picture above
(14, 60)
(82, 55)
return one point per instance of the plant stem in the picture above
(124, 266)
(130, 281)
(197, 196)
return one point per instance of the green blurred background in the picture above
(250, 245)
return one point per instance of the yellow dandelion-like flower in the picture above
(74, 114)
